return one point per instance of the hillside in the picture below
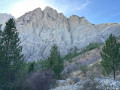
(84, 72)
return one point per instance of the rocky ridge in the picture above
(39, 30)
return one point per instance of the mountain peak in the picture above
(50, 12)
(48, 7)
(38, 9)
(78, 20)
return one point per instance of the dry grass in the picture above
(87, 58)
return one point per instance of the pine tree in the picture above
(11, 57)
(55, 61)
(0, 44)
(111, 55)
(2, 64)
(31, 67)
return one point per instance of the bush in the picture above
(6, 86)
(21, 84)
(69, 56)
(91, 46)
(41, 80)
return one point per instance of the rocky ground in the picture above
(88, 76)
(88, 84)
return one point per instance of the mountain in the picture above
(39, 30)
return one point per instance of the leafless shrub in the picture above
(41, 80)
(69, 69)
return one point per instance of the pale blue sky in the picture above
(95, 11)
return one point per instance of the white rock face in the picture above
(39, 30)
(4, 17)
(82, 32)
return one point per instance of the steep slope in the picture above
(39, 30)
(108, 28)
(82, 32)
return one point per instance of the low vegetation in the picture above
(75, 53)
(54, 62)
(41, 80)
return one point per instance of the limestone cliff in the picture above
(39, 30)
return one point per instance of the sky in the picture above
(95, 11)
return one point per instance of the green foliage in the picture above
(1, 54)
(21, 84)
(11, 59)
(91, 46)
(44, 64)
(54, 61)
(71, 55)
(31, 66)
(111, 55)
(0, 30)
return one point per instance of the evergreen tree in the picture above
(111, 55)
(11, 58)
(31, 66)
(1, 56)
(0, 40)
(0, 45)
(0, 29)
(55, 61)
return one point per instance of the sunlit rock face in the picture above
(40, 30)
(3, 18)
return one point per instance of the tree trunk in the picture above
(114, 73)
